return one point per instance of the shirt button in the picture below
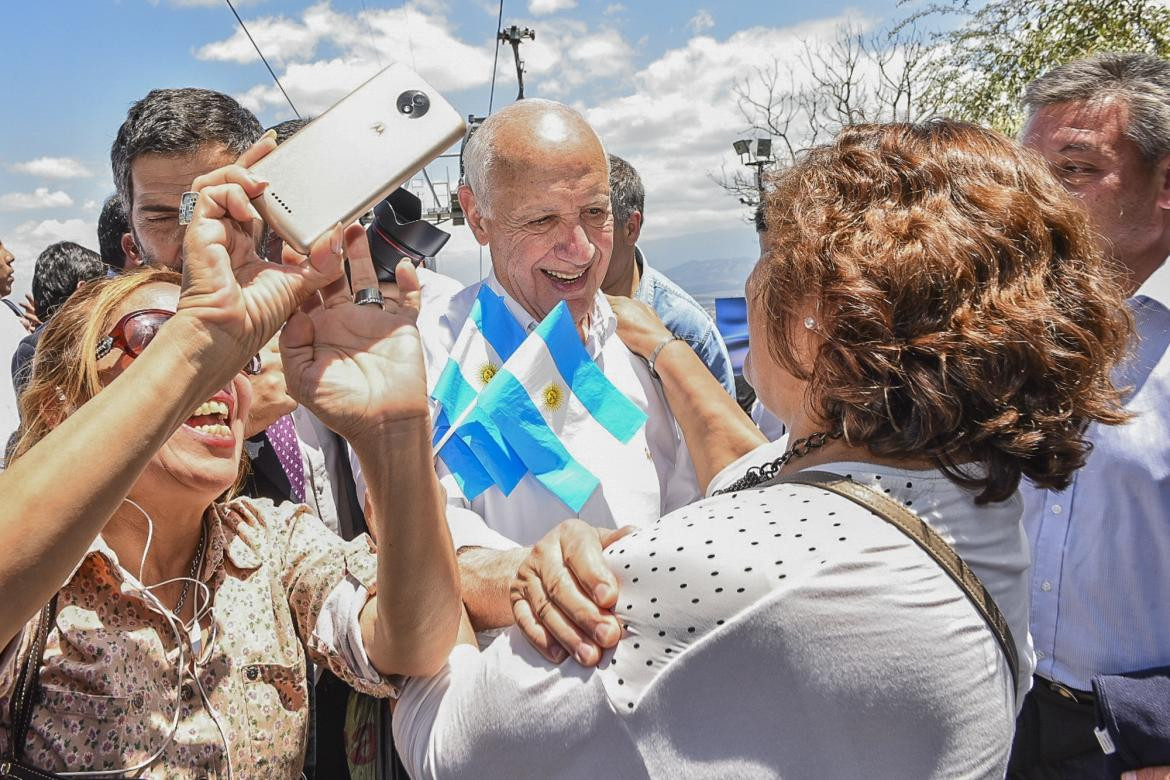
(1046, 586)
(1056, 510)
(252, 672)
(1040, 654)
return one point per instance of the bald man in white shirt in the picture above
(537, 194)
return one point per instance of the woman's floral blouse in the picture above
(281, 584)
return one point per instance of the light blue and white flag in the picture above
(558, 411)
(477, 454)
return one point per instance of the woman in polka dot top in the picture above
(930, 318)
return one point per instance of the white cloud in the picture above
(701, 21)
(41, 198)
(28, 239)
(567, 55)
(677, 122)
(541, 7)
(674, 117)
(53, 168)
(614, 9)
(416, 33)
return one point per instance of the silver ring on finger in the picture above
(369, 296)
(187, 207)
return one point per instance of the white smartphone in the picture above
(353, 155)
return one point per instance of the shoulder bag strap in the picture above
(928, 539)
(12, 765)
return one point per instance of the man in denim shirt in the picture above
(629, 276)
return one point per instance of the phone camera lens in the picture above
(413, 103)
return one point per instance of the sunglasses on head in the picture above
(134, 331)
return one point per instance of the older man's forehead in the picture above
(1074, 124)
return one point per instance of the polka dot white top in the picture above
(777, 632)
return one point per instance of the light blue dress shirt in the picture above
(685, 318)
(1101, 548)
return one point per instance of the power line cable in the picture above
(264, 59)
(370, 32)
(496, 59)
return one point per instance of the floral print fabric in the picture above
(109, 689)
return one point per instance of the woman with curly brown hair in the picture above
(931, 322)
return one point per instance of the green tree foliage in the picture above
(987, 60)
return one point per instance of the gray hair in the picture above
(481, 150)
(1141, 81)
(626, 191)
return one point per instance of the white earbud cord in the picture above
(192, 631)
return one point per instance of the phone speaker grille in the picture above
(279, 200)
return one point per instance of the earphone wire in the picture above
(178, 628)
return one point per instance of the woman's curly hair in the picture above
(967, 316)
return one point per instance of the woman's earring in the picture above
(810, 322)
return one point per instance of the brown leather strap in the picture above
(928, 539)
(25, 696)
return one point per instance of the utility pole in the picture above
(514, 35)
(755, 153)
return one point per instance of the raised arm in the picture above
(56, 500)
(716, 430)
(359, 368)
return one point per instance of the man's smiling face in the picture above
(548, 223)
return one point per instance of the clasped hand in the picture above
(563, 593)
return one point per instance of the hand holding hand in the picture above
(358, 367)
(563, 594)
(638, 325)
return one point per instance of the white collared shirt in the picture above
(641, 482)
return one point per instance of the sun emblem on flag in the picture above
(486, 372)
(553, 396)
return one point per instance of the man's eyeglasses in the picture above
(134, 331)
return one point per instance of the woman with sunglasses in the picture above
(166, 625)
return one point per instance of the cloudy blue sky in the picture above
(655, 78)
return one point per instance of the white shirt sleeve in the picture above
(416, 724)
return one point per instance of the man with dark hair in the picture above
(113, 229)
(629, 276)
(1099, 547)
(169, 138)
(60, 269)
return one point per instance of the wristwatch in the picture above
(654, 355)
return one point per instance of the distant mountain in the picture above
(707, 280)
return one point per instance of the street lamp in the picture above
(755, 153)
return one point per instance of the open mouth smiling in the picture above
(212, 419)
(562, 279)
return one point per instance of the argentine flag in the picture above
(477, 454)
(558, 411)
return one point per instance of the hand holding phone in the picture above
(353, 155)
